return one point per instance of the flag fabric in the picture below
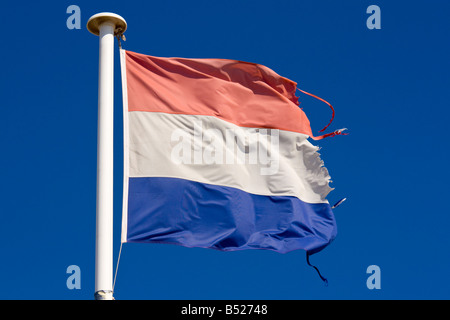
(216, 155)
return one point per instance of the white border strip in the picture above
(294, 167)
(126, 156)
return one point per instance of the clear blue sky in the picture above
(389, 87)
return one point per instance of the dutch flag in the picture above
(217, 156)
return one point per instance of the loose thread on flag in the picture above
(331, 134)
(337, 204)
(318, 272)
(329, 104)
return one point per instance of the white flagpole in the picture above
(106, 25)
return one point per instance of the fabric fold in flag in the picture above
(216, 155)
